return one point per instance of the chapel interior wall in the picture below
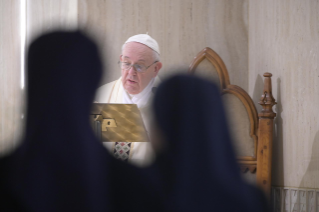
(284, 40)
(182, 29)
(11, 94)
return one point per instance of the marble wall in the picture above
(181, 27)
(47, 15)
(10, 77)
(41, 16)
(284, 40)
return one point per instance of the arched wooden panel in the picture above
(226, 88)
(217, 62)
(261, 125)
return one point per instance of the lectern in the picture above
(118, 123)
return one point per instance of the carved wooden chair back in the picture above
(251, 134)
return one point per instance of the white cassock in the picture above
(141, 153)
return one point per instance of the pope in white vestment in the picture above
(139, 68)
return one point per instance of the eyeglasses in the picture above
(139, 68)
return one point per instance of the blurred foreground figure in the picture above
(60, 165)
(196, 161)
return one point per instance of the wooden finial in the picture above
(267, 100)
(267, 74)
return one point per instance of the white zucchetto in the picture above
(146, 40)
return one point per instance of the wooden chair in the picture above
(251, 132)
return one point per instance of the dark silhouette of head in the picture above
(60, 164)
(197, 160)
(63, 72)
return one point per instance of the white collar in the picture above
(145, 91)
(142, 98)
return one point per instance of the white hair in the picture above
(156, 56)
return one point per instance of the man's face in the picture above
(137, 53)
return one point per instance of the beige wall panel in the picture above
(41, 16)
(181, 27)
(47, 15)
(284, 40)
(239, 124)
(10, 89)
(208, 71)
